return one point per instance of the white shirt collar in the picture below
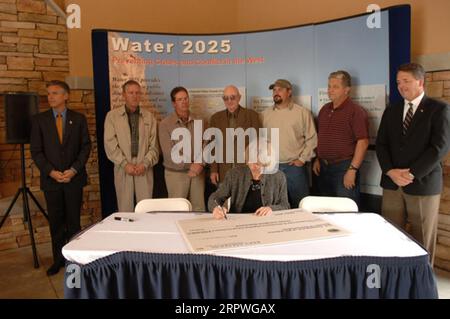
(415, 103)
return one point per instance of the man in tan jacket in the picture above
(130, 143)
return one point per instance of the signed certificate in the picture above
(207, 234)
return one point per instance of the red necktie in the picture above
(59, 127)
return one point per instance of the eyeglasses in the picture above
(229, 97)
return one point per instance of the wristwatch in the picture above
(351, 167)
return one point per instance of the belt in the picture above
(334, 161)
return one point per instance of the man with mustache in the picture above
(413, 139)
(298, 138)
(343, 129)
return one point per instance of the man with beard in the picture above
(298, 138)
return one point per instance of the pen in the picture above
(221, 208)
(124, 219)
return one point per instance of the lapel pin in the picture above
(70, 122)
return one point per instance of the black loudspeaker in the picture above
(19, 109)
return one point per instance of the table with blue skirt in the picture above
(149, 258)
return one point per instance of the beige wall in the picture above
(430, 27)
(165, 16)
(430, 30)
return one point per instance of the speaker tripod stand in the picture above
(25, 191)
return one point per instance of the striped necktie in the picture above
(59, 127)
(408, 119)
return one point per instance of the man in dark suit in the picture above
(413, 139)
(60, 147)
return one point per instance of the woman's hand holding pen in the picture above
(220, 212)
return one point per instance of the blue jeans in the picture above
(331, 181)
(297, 183)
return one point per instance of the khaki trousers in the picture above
(180, 185)
(420, 212)
(128, 186)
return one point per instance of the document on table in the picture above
(206, 234)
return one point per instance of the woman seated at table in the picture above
(258, 187)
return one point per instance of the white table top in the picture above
(371, 235)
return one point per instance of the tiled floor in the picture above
(443, 283)
(18, 278)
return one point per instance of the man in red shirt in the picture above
(343, 138)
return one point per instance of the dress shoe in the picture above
(54, 269)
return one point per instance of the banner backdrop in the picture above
(205, 64)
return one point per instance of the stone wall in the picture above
(438, 86)
(33, 50)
